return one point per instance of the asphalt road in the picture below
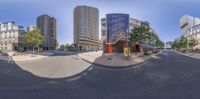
(60, 65)
(167, 76)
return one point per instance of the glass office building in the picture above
(117, 25)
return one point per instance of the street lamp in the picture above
(128, 54)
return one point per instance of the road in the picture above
(168, 76)
(60, 65)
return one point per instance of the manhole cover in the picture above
(75, 58)
(109, 58)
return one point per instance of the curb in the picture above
(34, 59)
(118, 67)
(185, 55)
(6, 61)
(30, 60)
(9, 60)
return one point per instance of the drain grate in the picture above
(109, 58)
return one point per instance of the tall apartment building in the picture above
(187, 22)
(190, 28)
(86, 28)
(48, 28)
(11, 37)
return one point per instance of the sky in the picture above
(163, 15)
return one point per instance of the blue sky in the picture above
(163, 15)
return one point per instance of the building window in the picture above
(197, 30)
(194, 31)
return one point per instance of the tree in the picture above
(192, 43)
(152, 39)
(143, 35)
(160, 44)
(139, 34)
(62, 46)
(184, 43)
(67, 45)
(175, 44)
(34, 39)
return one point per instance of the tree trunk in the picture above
(33, 49)
(38, 50)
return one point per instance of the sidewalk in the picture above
(192, 55)
(116, 60)
(4, 58)
(31, 57)
(27, 57)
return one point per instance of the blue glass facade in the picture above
(117, 24)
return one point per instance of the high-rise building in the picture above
(11, 37)
(190, 28)
(187, 22)
(86, 28)
(48, 28)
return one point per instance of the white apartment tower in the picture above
(190, 28)
(187, 22)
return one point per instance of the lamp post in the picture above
(128, 54)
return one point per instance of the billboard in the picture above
(117, 24)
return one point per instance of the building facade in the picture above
(187, 22)
(11, 37)
(48, 28)
(190, 28)
(194, 32)
(119, 39)
(168, 45)
(132, 24)
(86, 28)
(117, 25)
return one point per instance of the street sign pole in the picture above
(128, 53)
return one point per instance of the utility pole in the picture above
(128, 54)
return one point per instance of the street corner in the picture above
(115, 60)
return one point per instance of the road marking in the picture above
(74, 78)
